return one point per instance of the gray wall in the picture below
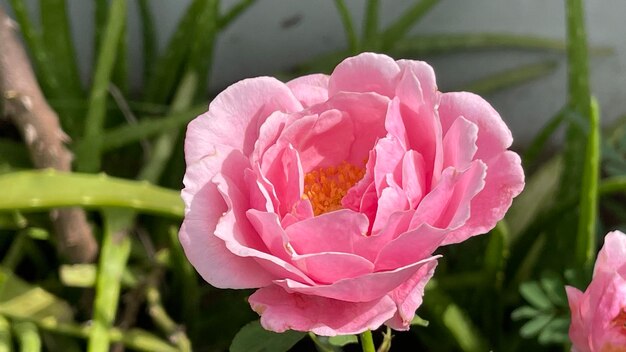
(259, 44)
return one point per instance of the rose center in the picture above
(620, 321)
(325, 187)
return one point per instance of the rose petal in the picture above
(493, 135)
(447, 206)
(336, 231)
(367, 113)
(281, 311)
(367, 72)
(413, 177)
(310, 89)
(242, 239)
(504, 181)
(613, 253)
(409, 247)
(359, 289)
(393, 199)
(234, 121)
(269, 229)
(328, 267)
(425, 75)
(459, 144)
(283, 170)
(408, 297)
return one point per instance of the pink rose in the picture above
(599, 314)
(330, 193)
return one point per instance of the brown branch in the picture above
(25, 105)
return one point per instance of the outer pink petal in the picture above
(504, 181)
(608, 301)
(335, 231)
(269, 132)
(494, 137)
(328, 267)
(234, 121)
(359, 289)
(612, 256)
(577, 332)
(204, 208)
(242, 239)
(311, 89)
(281, 311)
(408, 297)
(367, 72)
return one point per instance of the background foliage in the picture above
(502, 291)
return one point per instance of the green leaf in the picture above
(534, 326)
(342, 340)
(554, 288)
(402, 25)
(532, 292)
(419, 321)
(39, 190)
(253, 338)
(78, 275)
(539, 140)
(88, 157)
(13, 220)
(20, 300)
(525, 312)
(149, 36)
(510, 78)
(348, 26)
(556, 331)
(5, 335)
(370, 25)
(234, 12)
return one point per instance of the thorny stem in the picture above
(26, 106)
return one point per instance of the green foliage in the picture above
(253, 338)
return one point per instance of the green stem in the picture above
(113, 257)
(399, 29)
(367, 341)
(370, 28)
(27, 336)
(234, 13)
(346, 20)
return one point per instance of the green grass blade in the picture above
(39, 190)
(234, 13)
(348, 26)
(510, 78)
(120, 70)
(539, 140)
(402, 25)
(113, 257)
(454, 319)
(370, 25)
(585, 241)
(88, 158)
(149, 36)
(444, 43)
(168, 68)
(57, 37)
(5, 335)
(34, 41)
(147, 128)
(27, 336)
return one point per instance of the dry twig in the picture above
(39, 125)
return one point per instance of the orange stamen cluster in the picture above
(325, 187)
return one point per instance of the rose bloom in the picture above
(599, 314)
(330, 193)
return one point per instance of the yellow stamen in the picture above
(325, 187)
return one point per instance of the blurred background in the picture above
(274, 36)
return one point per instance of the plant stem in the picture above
(367, 341)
